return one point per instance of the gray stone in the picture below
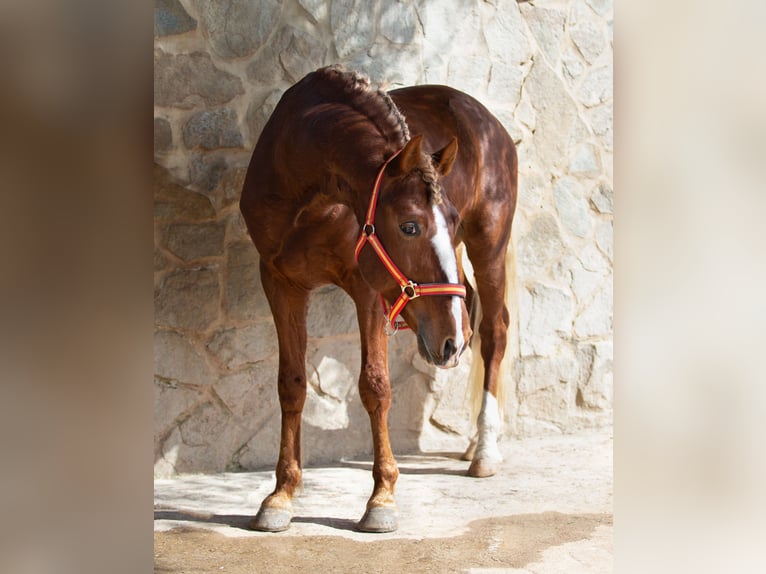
(245, 299)
(538, 373)
(604, 238)
(171, 402)
(188, 299)
(572, 207)
(407, 417)
(594, 391)
(398, 22)
(443, 23)
(585, 160)
(469, 73)
(540, 246)
(160, 261)
(547, 26)
(452, 412)
(189, 80)
(525, 113)
(173, 202)
(390, 65)
(163, 135)
(572, 65)
(264, 69)
(241, 346)
(504, 33)
(601, 121)
(352, 26)
(191, 241)
(551, 405)
(545, 318)
(209, 438)
(558, 124)
(261, 451)
(325, 412)
(260, 111)
(333, 368)
(508, 120)
(316, 8)
(171, 18)
(210, 129)
(596, 86)
(206, 169)
(533, 194)
(331, 312)
(601, 7)
(229, 188)
(237, 28)
(251, 394)
(177, 360)
(505, 83)
(586, 31)
(596, 319)
(602, 198)
(586, 278)
(303, 54)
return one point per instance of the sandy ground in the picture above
(549, 510)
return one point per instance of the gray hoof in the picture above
(271, 520)
(378, 519)
(482, 468)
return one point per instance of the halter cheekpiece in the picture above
(410, 289)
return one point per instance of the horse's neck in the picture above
(353, 179)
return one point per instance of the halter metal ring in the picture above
(410, 291)
(389, 329)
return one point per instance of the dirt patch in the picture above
(505, 542)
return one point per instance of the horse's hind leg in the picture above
(375, 392)
(289, 305)
(490, 275)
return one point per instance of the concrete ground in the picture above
(549, 510)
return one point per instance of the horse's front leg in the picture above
(289, 305)
(375, 392)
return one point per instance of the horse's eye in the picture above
(410, 228)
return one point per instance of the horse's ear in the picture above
(445, 157)
(409, 157)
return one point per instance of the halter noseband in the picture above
(410, 289)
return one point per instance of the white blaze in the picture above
(446, 254)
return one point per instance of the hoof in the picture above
(378, 519)
(271, 520)
(482, 468)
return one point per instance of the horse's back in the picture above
(486, 162)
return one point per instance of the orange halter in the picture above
(410, 289)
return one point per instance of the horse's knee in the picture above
(374, 389)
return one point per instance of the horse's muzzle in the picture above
(446, 357)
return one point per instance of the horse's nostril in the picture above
(449, 349)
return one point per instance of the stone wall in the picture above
(543, 68)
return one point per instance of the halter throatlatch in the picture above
(410, 289)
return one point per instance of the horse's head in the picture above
(416, 224)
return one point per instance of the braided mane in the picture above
(376, 105)
(380, 109)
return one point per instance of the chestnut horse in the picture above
(338, 192)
